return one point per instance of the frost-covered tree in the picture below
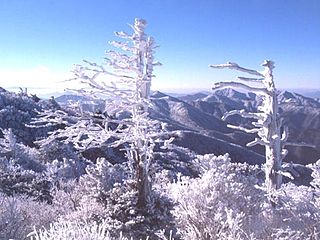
(123, 82)
(128, 93)
(267, 125)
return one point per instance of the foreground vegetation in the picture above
(227, 201)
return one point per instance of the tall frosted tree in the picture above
(268, 124)
(123, 82)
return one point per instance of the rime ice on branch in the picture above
(123, 83)
(268, 125)
(128, 91)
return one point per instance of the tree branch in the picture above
(284, 153)
(122, 46)
(285, 134)
(253, 130)
(242, 113)
(255, 80)
(235, 66)
(257, 141)
(221, 85)
(122, 34)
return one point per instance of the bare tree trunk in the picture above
(273, 167)
(143, 184)
(143, 187)
(273, 134)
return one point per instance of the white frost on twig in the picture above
(253, 130)
(243, 113)
(235, 66)
(221, 85)
(258, 141)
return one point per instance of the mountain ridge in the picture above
(198, 117)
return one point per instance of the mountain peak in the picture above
(231, 93)
(297, 99)
(158, 94)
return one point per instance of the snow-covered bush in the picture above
(296, 216)
(63, 230)
(102, 177)
(26, 157)
(14, 179)
(228, 201)
(16, 111)
(106, 193)
(65, 170)
(123, 215)
(57, 150)
(214, 206)
(72, 231)
(19, 214)
(111, 190)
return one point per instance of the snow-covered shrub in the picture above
(214, 206)
(296, 215)
(102, 176)
(67, 196)
(287, 234)
(228, 201)
(109, 191)
(14, 179)
(57, 150)
(19, 214)
(106, 193)
(121, 209)
(26, 157)
(63, 230)
(118, 209)
(65, 169)
(22, 172)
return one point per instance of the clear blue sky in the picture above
(42, 39)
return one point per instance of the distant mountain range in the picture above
(312, 93)
(198, 118)
(46, 94)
